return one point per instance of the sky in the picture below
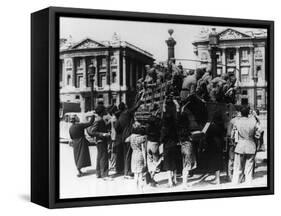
(145, 35)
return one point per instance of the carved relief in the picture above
(204, 57)
(113, 60)
(231, 34)
(258, 54)
(87, 44)
(69, 63)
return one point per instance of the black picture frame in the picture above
(45, 102)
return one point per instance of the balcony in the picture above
(231, 62)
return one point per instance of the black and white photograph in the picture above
(151, 107)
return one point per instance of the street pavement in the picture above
(89, 186)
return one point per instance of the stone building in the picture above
(243, 53)
(117, 65)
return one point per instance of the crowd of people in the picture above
(177, 138)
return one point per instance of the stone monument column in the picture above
(171, 45)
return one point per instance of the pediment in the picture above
(231, 34)
(88, 43)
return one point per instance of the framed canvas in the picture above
(134, 107)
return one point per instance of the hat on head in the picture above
(72, 118)
(100, 110)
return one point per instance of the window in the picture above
(68, 79)
(103, 62)
(218, 57)
(77, 97)
(244, 92)
(245, 71)
(231, 55)
(245, 54)
(114, 76)
(78, 63)
(245, 74)
(102, 80)
(79, 81)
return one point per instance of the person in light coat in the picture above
(245, 150)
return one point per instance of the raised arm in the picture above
(94, 131)
(137, 105)
(88, 124)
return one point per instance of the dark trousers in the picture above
(230, 161)
(102, 159)
(118, 149)
(127, 158)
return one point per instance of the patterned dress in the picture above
(137, 162)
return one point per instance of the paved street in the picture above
(88, 186)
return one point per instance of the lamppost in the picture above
(213, 43)
(92, 72)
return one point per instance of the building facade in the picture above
(241, 53)
(117, 66)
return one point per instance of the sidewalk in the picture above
(89, 186)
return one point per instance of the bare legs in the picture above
(138, 181)
(185, 174)
(172, 178)
(217, 179)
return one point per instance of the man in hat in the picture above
(99, 130)
(80, 143)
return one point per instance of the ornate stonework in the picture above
(88, 43)
(231, 34)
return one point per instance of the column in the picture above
(95, 62)
(108, 77)
(238, 72)
(124, 69)
(63, 72)
(223, 60)
(252, 62)
(131, 74)
(171, 44)
(263, 64)
(137, 72)
(82, 103)
(84, 73)
(73, 72)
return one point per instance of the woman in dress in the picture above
(214, 150)
(169, 140)
(187, 146)
(137, 142)
(80, 144)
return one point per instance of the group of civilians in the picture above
(165, 143)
